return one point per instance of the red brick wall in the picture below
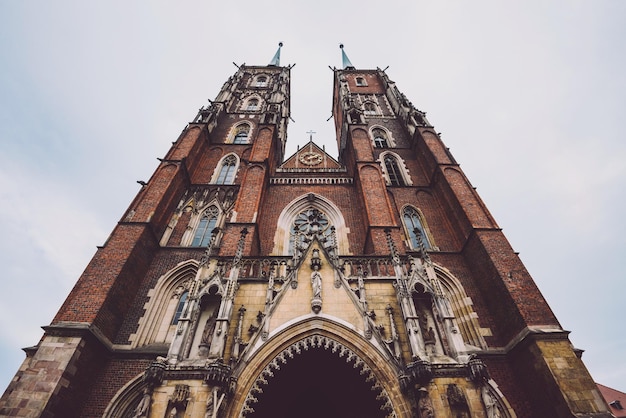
(106, 384)
(262, 145)
(375, 196)
(250, 194)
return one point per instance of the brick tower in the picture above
(244, 283)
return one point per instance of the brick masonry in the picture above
(87, 355)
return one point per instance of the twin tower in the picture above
(241, 282)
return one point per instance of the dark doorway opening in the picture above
(320, 384)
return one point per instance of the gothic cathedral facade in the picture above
(241, 282)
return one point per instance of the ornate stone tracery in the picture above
(316, 341)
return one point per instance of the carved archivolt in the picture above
(312, 342)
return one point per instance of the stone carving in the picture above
(316, 283)
(316, 342)
(492, 406)
(207, 335)
(425, 405)
(143, 408)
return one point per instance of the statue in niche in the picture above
(143, 407)
(429, 335)
(428, 332)
(425, 405)
(316, 283)
(207, 335)
(492, 407)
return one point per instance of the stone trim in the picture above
(311, 180)
(320, 342)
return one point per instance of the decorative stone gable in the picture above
(310, 158)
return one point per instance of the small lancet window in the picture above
(415, 228)
(241, 134)
(179, 307)
(205, 227)
(227, 171)
(380, 138)
(253, 105)
(393, 171)
(261, 81)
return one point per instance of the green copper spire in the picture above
(347, 65)
(276, 60)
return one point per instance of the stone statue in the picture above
(430, 335)
(209, 327)
(143, 407)
(316, 283)
(207, 335)
(492, 407)
(424, 404)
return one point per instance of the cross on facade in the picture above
(311, 135)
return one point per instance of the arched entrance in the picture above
(319, 383)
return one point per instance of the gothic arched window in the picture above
(241, 134)
(415, 228)
(370, 108)
(261, 81)
(393, 171)
(310, 222)
(360, 81)
(253, 105)
(165, 306)
(227, 171)
(205, 227)
(380, 138)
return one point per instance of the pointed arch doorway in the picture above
(318, 383)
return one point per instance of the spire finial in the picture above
(276, 60)
(345, 61)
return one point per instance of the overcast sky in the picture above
(529, 96)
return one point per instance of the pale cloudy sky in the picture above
(529, 96)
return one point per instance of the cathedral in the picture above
(242, 282)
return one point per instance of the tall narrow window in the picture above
(253, 105)
(205, 227)
(393, 171)
(227, 171)
(179, 307)
(415, 229)
(241, 135)
(380, 138)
